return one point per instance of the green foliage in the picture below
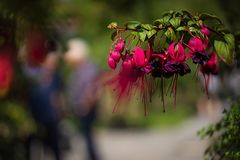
(226, 143)
(225, 48)
(15, 125)
(180, 26)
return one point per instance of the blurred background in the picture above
(38, 120)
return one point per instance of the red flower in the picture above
(176, 52)
(119, 47)
(205, 31)
(111, 63)
(197, 45)
(211, 66)
(115, 55)
(198, 50)
(139, 57)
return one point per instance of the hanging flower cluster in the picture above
(143, 53)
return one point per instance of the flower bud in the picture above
(119, 47)
(115, 55)
(111, 63)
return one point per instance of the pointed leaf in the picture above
(224, 51)
(170, 34)
(175, 22)
(229, 38)
(142, 36)
(147, 26)
(181, 28)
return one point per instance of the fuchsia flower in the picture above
(197, 45)
(176, 52)
(111, 62)
(198, 50)
(119, 47)
(205, 31)
(115, 55)
(139, 57)
(211, 66)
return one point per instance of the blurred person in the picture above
(83, 90)
(44, 102)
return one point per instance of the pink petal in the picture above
(139, 57)
(171, 50)
(181, 53)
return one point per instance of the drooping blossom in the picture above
(204, 30)
(115, 55)
(176, 62)
(176, 52)
(111, 63)
(198, 50)
(119, 47)
(211, 66)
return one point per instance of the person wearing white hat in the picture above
(82, 90)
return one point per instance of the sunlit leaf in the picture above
(224, 51)
(175, 22)
(142, 36)
(170, 34)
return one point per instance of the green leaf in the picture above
(205, 16)
(195, 31)
(133, 25)
(147, 26)
(192, 23)
(113, 35)
(170, 34)
(135, 33)
(142, 36)
(224, 51)
(151, 33)
(181, 28)
(229, 38)
(175, 22)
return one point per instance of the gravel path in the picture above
(180, 143)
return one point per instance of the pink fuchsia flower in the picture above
(198, 50)
(115, 55)
(176, 52)
(119, 47)
(128, 64)
(139, 57)
(205, 31)
(197, 45)
(211, 66)
(111, 63)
